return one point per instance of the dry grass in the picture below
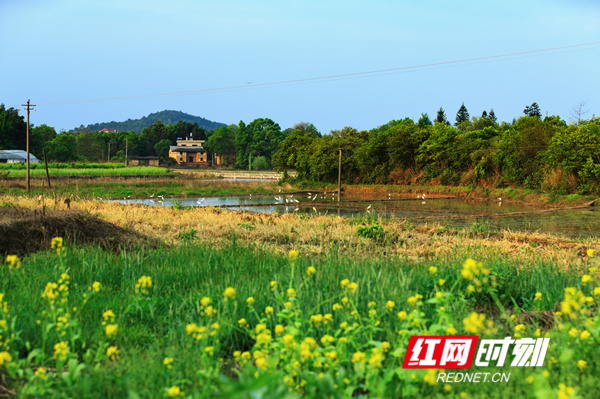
(316, 235)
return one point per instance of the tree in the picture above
(13, 129)
(424, 121)
(39, 137)
(222, 140)
(579, 111)
(441, 117)
(161, 149)
(462, 115)
(63, 148)
(533, 110)
(492, 116)
(484, 114)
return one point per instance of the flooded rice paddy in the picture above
(451, 213)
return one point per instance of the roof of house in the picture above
(18, 155)
(106, 129)
(175, 148)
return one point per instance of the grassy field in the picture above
(239, 305)
(40, 171)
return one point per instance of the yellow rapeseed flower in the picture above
(13, 262)
(273, 285)
(352, 287)
(441, 282)
(112, 352)
(111, 330)
(279, 329)
(590, 252)
(582, 364)
(5, 357)
(167, 362)
(242, 322)
(311, 270)
(586, 278)
(389, 305)
(402, 315)
(174, 392)
(474, 322)
(433, 270)
(96, 286)
(204, 302)
(538, 296)
(344, 283)
(229, 293)
(585, 335)
(143, 284)
(291, 292)
(565, 392)
(358, 357)
(293, 255)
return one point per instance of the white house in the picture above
(15, 156)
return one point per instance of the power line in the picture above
(330, 77)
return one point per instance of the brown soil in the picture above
(24, 230)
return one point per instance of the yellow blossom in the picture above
(112, 352)
(13, 262)
(204, 302)
(352, 287)
(402, 315)
(441, 282)
(242, 322)
(565, 392)
(167, 362)
(474, 322)
(389, 305)
(358, 357)
(229, 293)
(143, 284)
(538, 296)
(590, 252)
(451, 330)
(250, 301)
(584, 335)
(5, 357)
(291, 292)
(293, 255)
(111, 330)
(311, 270)
(174, 392)
(345, 283)
(586, 278)
(582, 364)
(433, 270)
(269, 310)
(96, 286)
(273, 285)
(279, 329)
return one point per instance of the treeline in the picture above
(167, 117)
(530, 152)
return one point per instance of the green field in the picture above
(158, 322)
(39, 171)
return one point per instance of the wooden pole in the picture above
(28, 105)
(46, 162)
(340, 177)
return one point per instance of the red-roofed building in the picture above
(109, 130)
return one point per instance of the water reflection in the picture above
(474, 215)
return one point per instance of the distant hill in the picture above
(166, 117)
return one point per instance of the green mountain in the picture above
(166, 117)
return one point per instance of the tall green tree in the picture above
(13, 129)
(441, 117)
(462, 115)
(533, 110)
(424, 121)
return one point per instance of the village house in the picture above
(189, 152)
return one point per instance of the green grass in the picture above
(153, 326)
(119, 171)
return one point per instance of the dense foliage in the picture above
(531, 152)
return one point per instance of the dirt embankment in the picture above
(24, 230)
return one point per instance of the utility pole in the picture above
(28, 105)
(340, 177)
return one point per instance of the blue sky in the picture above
(70, 50)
